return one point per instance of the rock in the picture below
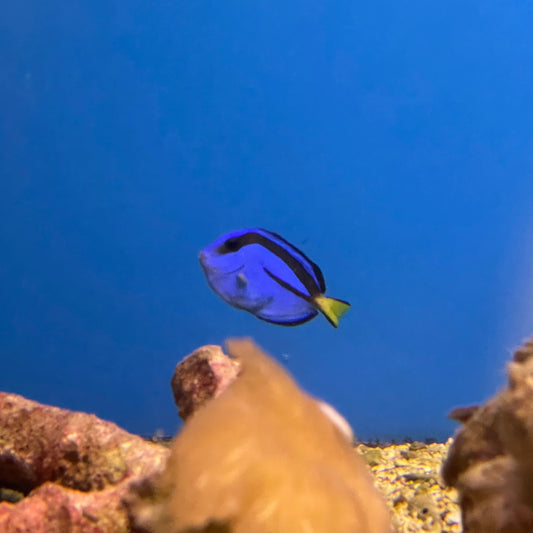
(491, 459)
(478, 441)
(52, 508)
(202, 375)
(262, 457)
(371, 456)
(423, 507)
(10, 495)
(462, 414)
(452, 518)
(524, 352)
(489, 499)
(416, 446)
(74, 468)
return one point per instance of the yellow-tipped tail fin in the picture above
(332, 308)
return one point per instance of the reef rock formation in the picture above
(262, 457)
(491, 459)
(74, 469)
(202, 375)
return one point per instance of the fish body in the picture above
(260, 272)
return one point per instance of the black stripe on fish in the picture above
(316, 269)
(233, 244)
(289, 287)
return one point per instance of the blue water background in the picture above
(391, 141)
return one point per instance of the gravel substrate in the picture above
(409, 477)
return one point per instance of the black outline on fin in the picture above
(292, 322)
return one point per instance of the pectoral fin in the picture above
(241, 280)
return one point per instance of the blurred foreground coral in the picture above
(263, 457)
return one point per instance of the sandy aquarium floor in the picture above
(408, 475)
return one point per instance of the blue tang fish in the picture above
(260, 272)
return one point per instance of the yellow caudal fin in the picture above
(332, 308)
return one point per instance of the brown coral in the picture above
(491, 459)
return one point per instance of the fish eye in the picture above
(232, 244)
